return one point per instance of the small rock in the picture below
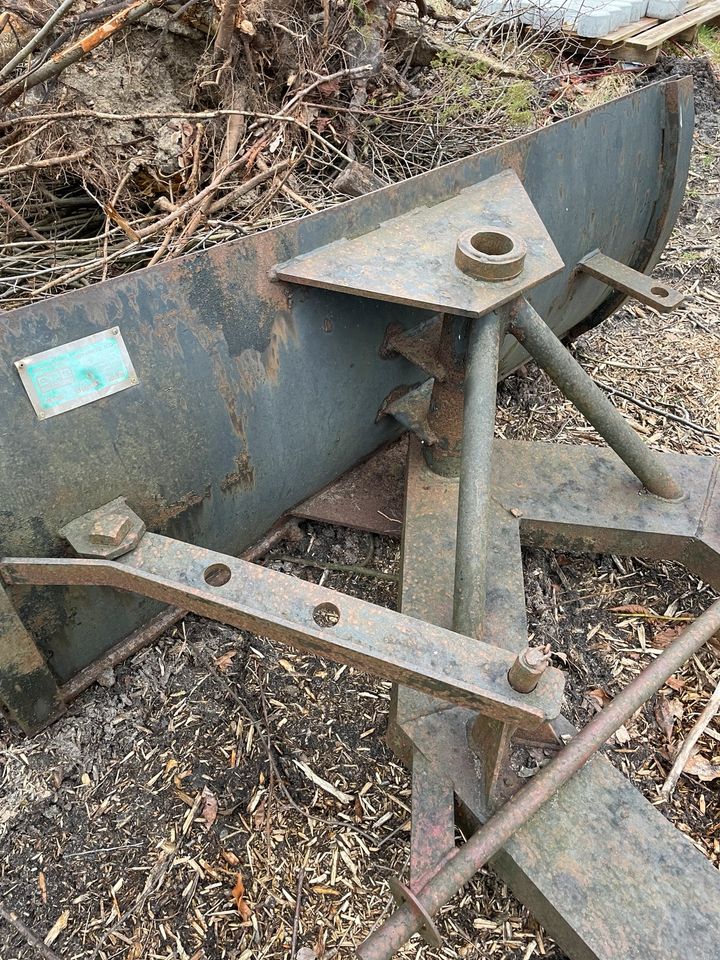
(305, 953)
(107, 678)
(356, 180)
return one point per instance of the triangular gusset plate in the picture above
(411, 259)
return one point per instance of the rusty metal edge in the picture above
(154, 628)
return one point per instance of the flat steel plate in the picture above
(411, 259)
(77, 373)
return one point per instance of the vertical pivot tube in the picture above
(471, 551)
(533, 333)
(491, 737)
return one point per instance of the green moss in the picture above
(463, 64)
(517, 102)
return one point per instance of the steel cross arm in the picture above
(380, 641)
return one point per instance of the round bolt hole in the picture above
(326, 615)
(492, 244)
(659, 292)
(217, 574)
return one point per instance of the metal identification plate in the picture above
(77, 373)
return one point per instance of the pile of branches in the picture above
(132, 131)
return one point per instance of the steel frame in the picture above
(467, 687)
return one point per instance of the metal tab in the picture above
(654, 293)
(411, 259)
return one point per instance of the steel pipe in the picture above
(481, 371)
(493, 835)
(537, 338)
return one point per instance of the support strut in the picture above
(471, 552)
(489, 839)
(533, 333)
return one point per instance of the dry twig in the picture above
(35, 40)
(31, 938)
(76, 51)
(683, 754)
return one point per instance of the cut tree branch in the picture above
(76, 51)
(35, 40)
(31, 938)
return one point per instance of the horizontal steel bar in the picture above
(638, 285)
(490, 838)
(379, 641)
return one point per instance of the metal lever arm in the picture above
(490, 838)
(311, 618)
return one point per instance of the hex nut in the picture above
(490, 253)
(106, 533)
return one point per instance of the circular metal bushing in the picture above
(530, 664)
(402, 895)
(490, 253)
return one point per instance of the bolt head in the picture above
(111, 528)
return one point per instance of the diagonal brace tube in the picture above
(490, 838)
(533, 333)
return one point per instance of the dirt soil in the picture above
(175, 811)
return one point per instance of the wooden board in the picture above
(641, 41)
(671, 28)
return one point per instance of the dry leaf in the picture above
(622, 736)
(663, 638)
(329, 88)
(57, 928)
(700, 767)
(43, 886)
(224, 662)
(675, 683)
(238, 895)
(229, 857)
(598, 698)
(305, 953)
(666, 712)
(209, 809)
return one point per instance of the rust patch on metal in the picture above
(281, 332)
(243, 476)
(159, 515)
(257, 367)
